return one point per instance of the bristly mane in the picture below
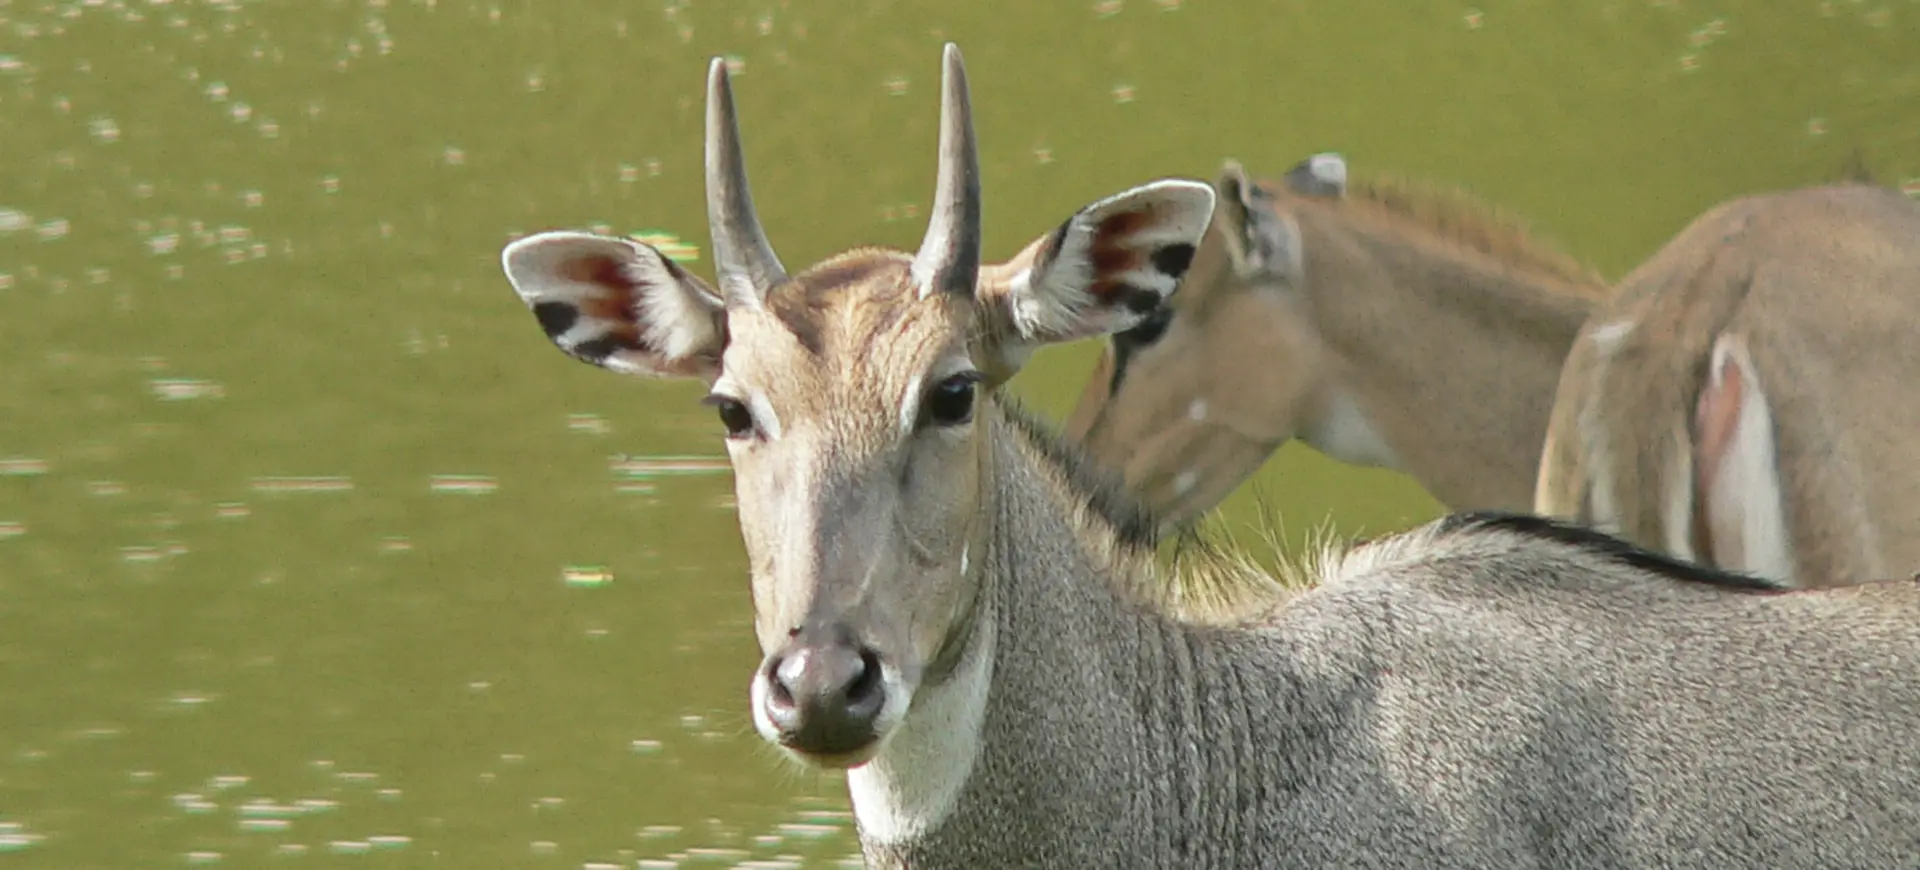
(1607, 546)
(1133, 523)
(1470, 221)
(1205, 583)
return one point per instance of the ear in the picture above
(1102, 271)
(1262, 243)
(618, 304)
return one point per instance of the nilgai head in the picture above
(1191, 401)
(847, 393)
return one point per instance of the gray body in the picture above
(1467, 695)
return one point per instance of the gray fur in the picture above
(1477, 693)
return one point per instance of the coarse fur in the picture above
(955, 612)
(1487, 691)
(1385, 322)
(1204, 582)
(1750, 397)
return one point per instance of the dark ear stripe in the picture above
(1173, 260)
(556, 317)
(1121, 225)
(1127, 343)
(1607, 546)
(1112, 291)
(597, 350)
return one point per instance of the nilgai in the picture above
(1385, 324)
(954, 611)
(1750, 396)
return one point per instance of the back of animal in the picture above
(1815, 292)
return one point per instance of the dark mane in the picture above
(1606, 546)
(1132, 522)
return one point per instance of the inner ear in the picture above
(1262, 236)
(618, 304)
(1236, 193)
(1103, 270)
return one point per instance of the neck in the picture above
(1445, 359)
(1079, 726)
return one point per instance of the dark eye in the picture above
(950, 402)
(733, 415)
(1149, 330)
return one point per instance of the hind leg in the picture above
(1740, 512)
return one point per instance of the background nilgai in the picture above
(1382, 323)
(1725, 403)
(1750, 396)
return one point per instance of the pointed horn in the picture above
(949, 257)
(743, 261)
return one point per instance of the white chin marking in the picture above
(913, 784)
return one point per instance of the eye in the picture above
(1149, 330)
(733, 415)
(950, 402)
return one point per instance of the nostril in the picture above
(779, 695)
(866, 682)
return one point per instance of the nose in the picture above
(824, 696)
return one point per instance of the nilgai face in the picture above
(848, 393)
(956, 610)
(1383, 324)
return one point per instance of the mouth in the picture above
(835, 760)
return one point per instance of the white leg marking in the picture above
(1676, 515)
(915, 781)
(1606, 337)
(1183, 482)
(1746, 507)
(1602, 509)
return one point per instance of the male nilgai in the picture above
(951, 613)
